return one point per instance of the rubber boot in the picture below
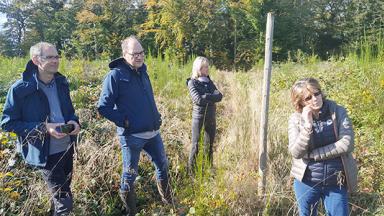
(129, 202)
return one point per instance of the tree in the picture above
(17, 13)
(53, 21)
(248, 32)
(366, 23)
(104, 24)
(32, 21)
(227, 32)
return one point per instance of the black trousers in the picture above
(58, 175)
(208, 123)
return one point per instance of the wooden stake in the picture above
(265, 105)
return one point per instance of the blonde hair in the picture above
(197, 65)
(302, 89)
(37, 49)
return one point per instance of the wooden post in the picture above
(265, 105)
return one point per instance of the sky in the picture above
(3, 19)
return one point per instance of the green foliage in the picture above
(103, 25)
(12, 184)
(225, 31)
(11, 69)
(230, 32)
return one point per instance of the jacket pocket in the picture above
(126, 89)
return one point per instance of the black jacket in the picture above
(204, 96)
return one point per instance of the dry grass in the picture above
(231, 188)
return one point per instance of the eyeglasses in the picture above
(310, 96)
(49, 58)
(136, 55)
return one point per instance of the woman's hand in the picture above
(307, 116)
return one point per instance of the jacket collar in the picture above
(30, 78)
(329, 108)
(197, 80)
(324, 111)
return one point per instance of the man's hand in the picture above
(77, 127)
(51, 129)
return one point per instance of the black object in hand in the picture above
(66, 128)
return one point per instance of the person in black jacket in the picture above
(204, 95)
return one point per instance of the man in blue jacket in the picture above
(36, 108)
(127, 100)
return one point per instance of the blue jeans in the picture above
(308, 195)
(130, 148)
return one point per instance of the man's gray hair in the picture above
(37, 49)
(125, 43)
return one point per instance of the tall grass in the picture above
(356, 82)
(9, 68)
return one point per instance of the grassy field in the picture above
(230, 188)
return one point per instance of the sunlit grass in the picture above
(355, 81)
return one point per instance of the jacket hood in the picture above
(30, 74)
(120, 62)
(116, 62)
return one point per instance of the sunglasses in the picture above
(310, 96)
(49, 58)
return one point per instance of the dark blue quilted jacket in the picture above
(328, 172)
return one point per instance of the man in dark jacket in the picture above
(37, 107)
(127, 100)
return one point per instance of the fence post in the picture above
(265, 106)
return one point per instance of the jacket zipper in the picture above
(146, 92)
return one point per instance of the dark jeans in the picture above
(209, 123)
(131, 148)
(58, 175)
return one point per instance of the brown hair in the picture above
(302, 89)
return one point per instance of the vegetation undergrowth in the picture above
(355, 81)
